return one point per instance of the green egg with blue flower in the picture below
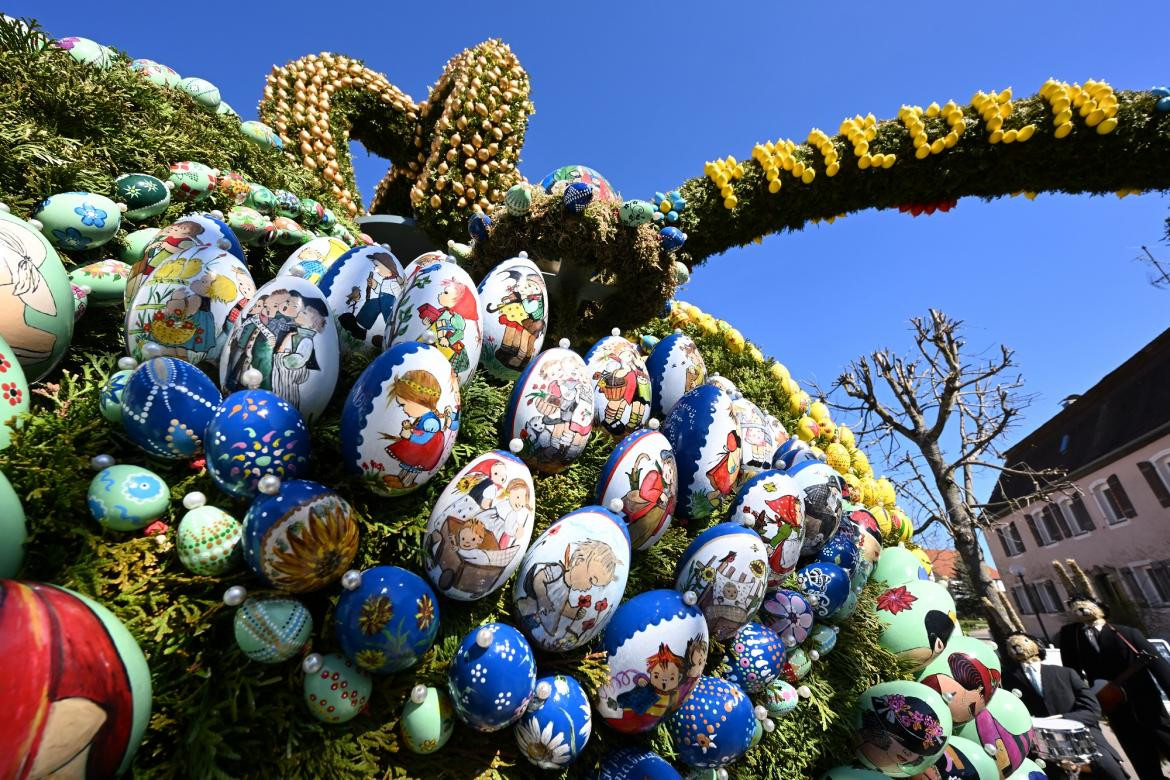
(78, 220)
(128, 498)
(144, 195)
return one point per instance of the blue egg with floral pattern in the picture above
(127, 498)
(78, 220)
(756, 656)
(634, 763)
(388, 621)
(577, 196)
(714, 726)
(492, 677)
(789, 614)
(825, 585)
(553, 734)
(671, 238)
(255, 433)
(841, 550)
(166, 407)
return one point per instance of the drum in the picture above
(1061, 739)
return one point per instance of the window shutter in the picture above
(1049, 517)
(1015, 535)
(1155, 480)
(1135, 590)
(1035, 532)
(1081, 513)
(1003, 542)
(1061, 520)
(1120, 496)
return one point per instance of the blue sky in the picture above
(648, 96)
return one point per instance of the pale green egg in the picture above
(13, 531)
(106, 280)
(208, 541)
(337, 691)
(13, 393)
(78, 220)
(272, 630)
(427, 726)
(110, 399)
(128, 498)
(201, 91)
(136, 243)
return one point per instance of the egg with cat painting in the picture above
(708, 447)
(675, 367)
(311, 260)
(551, 411)
(362, 287)
(439, 304)
(642, 474)
(513, 298)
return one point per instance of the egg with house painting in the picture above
(552, 735)
(362, 287)
(901, 728)
(917, 620)
(714, 726)
(772, 505)
(513, 301)
(759, 446)
(144, 195)
(967, 674)
(755, 657)
(78, 221)
(14, 394)
(572, 579)
(1005, 726)
(271, 631)
(480, 526)
(551, 410)
(167, 406)
(106, 280)
(193, 181)
(190, 234)
(439, 304)
(287, 334)
(492, 677)
(675, 368)
(708, 447)
(642, 474)
(822, 502)
(156, 73)
(253, 434)
(656, 648)
(621, 384)
(127, 498)
(388, 621)
(727, 569)
(310, 261)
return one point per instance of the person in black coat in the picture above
(1101, 651)
(1062, 694)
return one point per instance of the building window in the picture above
(1158, 577)
(1057, 524)
(1135, 590)
(1044, 534)
(1078, 514)
(1048, 597)
(1023, 601)
(1009, 539)
(1113, 500)
(1156, 480)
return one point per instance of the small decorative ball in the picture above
(127, 498)
(553, 735)
(208, 540)
(312, 663)
(388, 620)
(100, 462)
(272, 630)
(235, 595)
(351, 580)
(491, 686)
(337, 691)
(427, 720)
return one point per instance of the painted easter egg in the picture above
(13, 530)
(262, 199)
(78, 220)
(966, 674)
(780, 698)
(1006, 726)
(726, 385)
(847, 609)
(772, 504)
(962, 759)
(642, 474)
(428, 720)
(250, 226)
(223, 109)
(553, 735)
(551, 410)
(656, 648)
(156, 73)
(208, 541)
(232, 187)
(400, 419)
(576, 196)
(902, 728)
(255, 433)
(480, 526)
(869, 540)
(300, 539)
(362, 287)
(1029, 769)
(388, 621)
(714, 726)
(707, 445)
(338, 690)
(272, 630)
(726, 567)
(852, 773)
(759, 446)
(478, 224)
(135, 244)
(81, 673)
(127, 498)
(635, 763)
(424, 260)
(192, 181)
(191, 234)
(201, 91)
(80, 300)
(312, 212)
(492, 677)
(287, 334)
(166, 407)
(636, 212)
(287, 204)
(822, 502)
(110, 398)
(755, 656)
(572, 579)
(518, 200)
(841, 549)
(621, 384)
(261, 134)
(144, 195)
(88, 52)
(898, 566)
(601, 187)
(513, 301)
(823, 638)
(825, 585)
(671, 238)
(310, 261)
(676, 368)
(106, 280)
(797, 665)
(918, 619)
(14, 394)
(789, 614)
(439, 304)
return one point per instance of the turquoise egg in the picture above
(823, 638)
(337, 691)
(427, 725)
(13, 531)
(88, 52)
(223, 109)
(136, 243)
(208, 541)
(518, 200)
(636, 212)
(144, 195)
(312, 212)
(156, 73)
(272, 630)
(110, 400)
(13, 394)
(201, 91)
(192, 181)
(127, 498)
(106, 280)
(262, 199)
(250, 226)
(780, 698)
(78, 220)
(261, 134)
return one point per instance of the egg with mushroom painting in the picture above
(310, 261)
(513, 301)
(772, 505)
(439, 304)
(621, 384)
(551, 410)
(676, 368)
(642, 474)
(709, 449)
(362, 287)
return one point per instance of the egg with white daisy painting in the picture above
(555, 732)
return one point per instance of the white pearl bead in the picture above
(690, 598)
(269, 484)
(654, 424)
(721, 773)
(351, 580)
(170, 185)
(543, 691)
(37, 224)
(563, 343)
(615, 505)
(194, 500)
(122, 207)
(814, 655)
(418, 694)
(990, 749)
(101, 462)
(151, 350)
(760, 711)
(235, 595)
(127, 363)
(803, 692)
(523, 254)
(312, 663)
(515, 445)
(616, 332)
(252, 379)
(769, 725)
(483, 637)
(678, 330)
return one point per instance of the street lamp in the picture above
(1033, 596)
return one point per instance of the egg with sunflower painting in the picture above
(387, 622)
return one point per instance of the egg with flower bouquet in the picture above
(902, 728)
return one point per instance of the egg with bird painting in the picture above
(621, 384)
(311, 260)
(551, 410)
(362, 287)
(676, 368)
(641, 474)
(439, 305)
(708, 446)
(514, 310)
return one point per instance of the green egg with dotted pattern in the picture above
(272, 630)
(208, 541)
(337, 691)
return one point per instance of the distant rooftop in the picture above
(945, 564)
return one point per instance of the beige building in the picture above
(1114, 444)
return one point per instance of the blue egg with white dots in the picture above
(492, 677)
(714, 726)
(577, 196)
(841, 550)
(635, 763)
(671, 238)
(826, 585)
(127, 498)
(755, 656)
(167, 406)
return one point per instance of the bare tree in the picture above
(939, 417)
(1159, 271)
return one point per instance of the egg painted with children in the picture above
(709, 449)
(362, 287)
(772, 505)
(439, 305)
(821, 486)
(514, 310)
(621, 384)
(759, 443)
(480, 526)
(311, 260)
(190, 234)
(726, 568)
(675, 368)
(551, 410)
(642, 474)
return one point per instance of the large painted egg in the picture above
(513, 301)
(287, 334)
(36, 300)
(553, 735)
(127, 498)
(362, 287)
(714, 726)
(300, 539)
(190, 234)
(338, 691)
(656, 648)
(780, 698)
(789, 614)
(852, 773)
(82, 682)
(755, 656)
(255, 433)
(388, 621)
(869, 540)
(759, 445)
(480, 526)
(572, 579)
(641, 473)
(201, 91)
(424, 260)
(772, 504)
(208, 540)
(492, 677)
(428, 720)
(88, 52)
(822, 502)
(167, 406)
(726, 385)
(272, 630)
(439, 303)
(1005, 725)
(14, 395)
(898, 566)
(918, 619)
(551, 410)
(145, 196)
(621, 384)
(708, 448)
(193, 181)
(962, 759)
(312, 212)
(310, 261)
(826, 585)
(135, 243)
(676, 368)
(967, 674)
(13, 530)
(635, 763)
(156, 73)
(288, 232)
(602, 189)
(902, 728)
(78, 220)
(106, 280)
(726, 567)
(401, 417)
